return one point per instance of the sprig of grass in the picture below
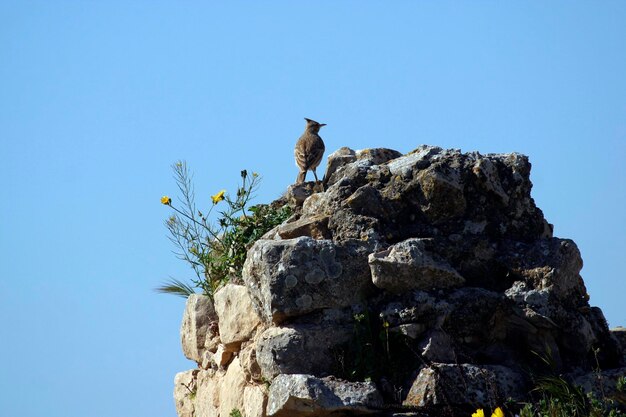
(216, 251)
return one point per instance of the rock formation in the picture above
(423, 284)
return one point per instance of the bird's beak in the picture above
(322, 124)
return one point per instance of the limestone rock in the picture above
(452, 384)
(297, 276)
(249, 363)
(197, 325)
(408, 266)
(486, 171)
(340, 157)
(184, 393)
(207, 401)
(315, 227)
(377, 156)
(254, 401)
(443, 191)
(552, 264)
(222, 356)
(280, 350)
(305, 395)
(231, 388)
(237, 317)
(297, 193)
(418, 159)
(208, 360)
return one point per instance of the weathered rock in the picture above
(603, 384)
(185, 392)
(305, 395)
(222, 356)
(366, 201)
(417, 307)
(619, 335)
(281, 350)
(437, 346)
(249, 363)
(254, 401)
(340, 157)
(208, 360)
(297, 276)
(443, 190)
(231, 388)
(297, 193)
(418, 159)
(552, 264)
(408, 266)
(197, 325)
(212, 337)
(207, 398)
(315, 227)
(487, 173)
(474, 315)
(237, 317)
(377, 156)
(452, 384)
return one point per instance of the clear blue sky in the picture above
(98, 99)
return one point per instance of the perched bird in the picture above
(309, 150)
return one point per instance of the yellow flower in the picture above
(218, 197)
(479, 413)
(166, 200)
(498, 412)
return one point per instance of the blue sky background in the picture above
(98, 99)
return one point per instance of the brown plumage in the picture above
(309, 150)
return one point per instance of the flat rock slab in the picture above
(305, 395)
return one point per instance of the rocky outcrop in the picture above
(425, 283)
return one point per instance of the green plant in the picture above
(192, 391)
(375, 353)
(235, 413)
(621, 384)
(216, 250)
(557, 397)
(561, 398)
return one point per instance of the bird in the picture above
(309, 150)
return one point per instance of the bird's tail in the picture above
(301, 177)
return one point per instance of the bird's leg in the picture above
(317, 182)
(301, 177)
